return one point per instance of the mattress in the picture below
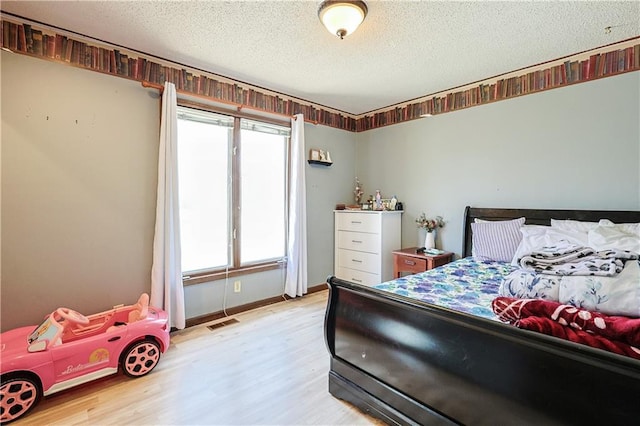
(465, 285)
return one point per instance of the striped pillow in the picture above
(497, 240)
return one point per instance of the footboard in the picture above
(409, 362)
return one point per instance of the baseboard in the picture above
(190, 322)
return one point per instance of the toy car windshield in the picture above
(47, 330)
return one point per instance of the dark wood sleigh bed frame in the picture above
(409, 362)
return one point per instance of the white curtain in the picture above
(296, 280)
(167, 291)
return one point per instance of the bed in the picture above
(411, 362)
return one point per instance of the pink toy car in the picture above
(69, 349)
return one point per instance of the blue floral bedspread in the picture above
(465, 285)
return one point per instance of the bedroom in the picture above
(587, 155)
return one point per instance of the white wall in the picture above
(575, 148)
(78, 198)
(79, 175)
(326, 187)
(79, 160)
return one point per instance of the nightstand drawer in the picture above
(359, 222)
(410, 261)
(410, 264)
(362, 261)
(360, 241)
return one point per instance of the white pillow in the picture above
(496, 240)
(573, 225)
(535, 237)
(607, 237)
(629, 228)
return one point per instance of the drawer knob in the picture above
(356, 241)
(409, 262)
(356, 280)
(356, 260)
(355, 221)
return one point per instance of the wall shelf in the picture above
(320, 163)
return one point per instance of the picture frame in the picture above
(314, 154)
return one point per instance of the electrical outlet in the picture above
(237, 286)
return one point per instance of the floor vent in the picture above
(222, 323)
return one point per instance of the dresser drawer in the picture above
(359, 222)
(360, 241)
(362, 261)
(358, 277)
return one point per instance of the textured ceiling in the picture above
(403, 50)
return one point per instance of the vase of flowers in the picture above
(430, 226)
(358, 192)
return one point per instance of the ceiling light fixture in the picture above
(342, 17)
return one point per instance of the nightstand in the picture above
(407, 260)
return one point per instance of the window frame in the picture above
(212, 274)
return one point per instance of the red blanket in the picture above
(613, 333)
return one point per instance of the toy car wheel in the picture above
(140, 358)
(18, 395)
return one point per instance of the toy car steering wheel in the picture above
(72, 316)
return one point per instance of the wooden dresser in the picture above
(364, 242)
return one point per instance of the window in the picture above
(233, 180)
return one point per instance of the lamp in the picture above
(342, 17)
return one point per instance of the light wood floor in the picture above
(269, 368)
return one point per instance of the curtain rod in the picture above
(238, 106)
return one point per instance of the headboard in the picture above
(540, 217)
